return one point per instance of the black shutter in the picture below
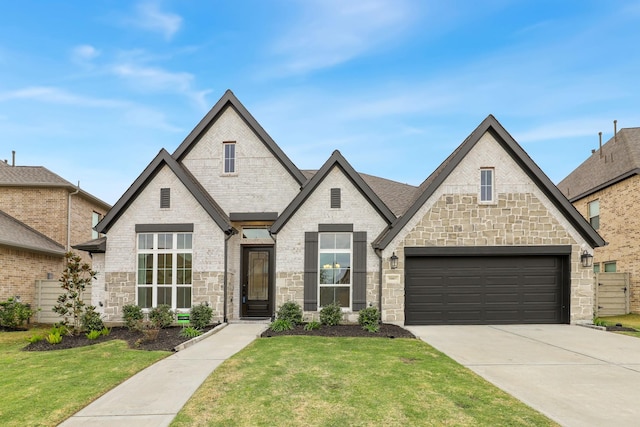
(335, 198)
(311, 271)
(359, 270)
(165, 198)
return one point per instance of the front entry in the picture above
(257, 281)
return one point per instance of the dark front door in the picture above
(257, 281)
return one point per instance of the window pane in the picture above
(609, 267)
(144, 296)
(184, 269)
(184, 241)
(331, 294)
(229, 158)
(165, 241)
(145, 269)
(327, 241)
(595, 222)
(255, 233)
(145, 241)
(343, 241)
(184, 297)
(594, 208)
(596, 268)
(486, 185)
(165, 263)
(164, 295)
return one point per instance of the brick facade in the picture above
(20, 269)
(620, 228)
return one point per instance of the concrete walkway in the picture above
(574, 375)
(154, 396)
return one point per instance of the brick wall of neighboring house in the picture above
(620, 228)
(82, 210)
(20, 269)
(522, 215)
(41, 208)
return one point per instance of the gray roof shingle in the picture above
(619, 159)
(16, 234)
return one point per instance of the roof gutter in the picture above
(69, 216)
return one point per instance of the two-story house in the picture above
(605, 189)
(41, 217)
(228, 219)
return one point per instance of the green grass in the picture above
(45, 388)
(317, 381)
(627, 320)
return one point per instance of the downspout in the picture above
(273, 275)
(69, 216)
(226, 264)
(379, 253)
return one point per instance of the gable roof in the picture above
(490, 124)
(163, 158)
(39, 176)
(16, 234)
(229, 100)
(396, 195)
(336, 160)
(618, 159)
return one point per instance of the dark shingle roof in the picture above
(16, 234)
(619, 159)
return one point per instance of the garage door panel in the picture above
(483, 289)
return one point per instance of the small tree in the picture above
(74, 280)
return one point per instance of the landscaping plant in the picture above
(331, 314)
(14, 314)
(93, 334)
(200, 316)
(312, 325)
(280, 325)
(190, 332)
(161, 316)
(75, 278)
(290, 311)
(369, 319)
(132, 316)
(91, 320)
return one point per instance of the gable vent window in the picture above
(165, 198)
(335, 198)
(229, 157)
(486, 185)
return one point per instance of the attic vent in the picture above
(335, 198)
(165, 198)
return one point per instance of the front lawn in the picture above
(318, 381)
(45, 388)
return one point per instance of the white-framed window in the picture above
(95, 219)
(486, 185)
(164, 270)
(334, 257)
(594, 214)
(229, 156)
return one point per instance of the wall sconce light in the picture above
(394, 261)
(586, 259)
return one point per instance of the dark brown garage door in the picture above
(503, 289)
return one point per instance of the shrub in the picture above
(75, 278)
(312, 325)
(91, 320)
(132, 316)
(93, 334)
(54, 337)
(14, 314)
(200, 316)
(161, 316)
(290, 311)
(331, 314)
(368, 318)
(190, 332)
(280, 325)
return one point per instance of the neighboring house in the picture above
(41, 217)
(229, 220)
(606, 190)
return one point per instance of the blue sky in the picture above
(92, 90)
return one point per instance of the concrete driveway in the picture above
(575, 375)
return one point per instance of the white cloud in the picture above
(58, 96)
(149, 17)
(84, 52)
(331, 32)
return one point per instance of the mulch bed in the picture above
(386, 331)
(167, 340)
(620, 329)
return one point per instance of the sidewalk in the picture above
(154, 396)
